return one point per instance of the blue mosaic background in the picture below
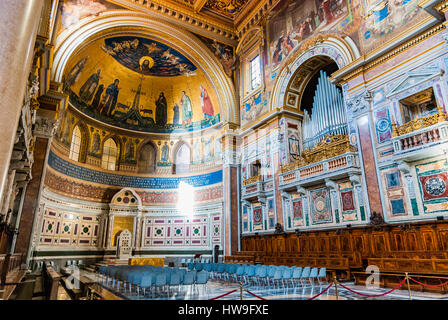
(72, 170)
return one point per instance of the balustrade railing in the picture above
(419, 132)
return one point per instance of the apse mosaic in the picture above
(140, 84)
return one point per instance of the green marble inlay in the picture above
(363, 214)
(289, 222)
(336, 213)
(414, 207)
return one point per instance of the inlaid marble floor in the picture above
(216, 288)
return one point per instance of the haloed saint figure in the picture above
(187, 109)
(206, 103)
(111, 97)
(161, 110)
(89, 87)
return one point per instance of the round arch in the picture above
(140, 149)
(72, 40)
(119, 145)
(175, 150)
(85, 140)
(342, 51)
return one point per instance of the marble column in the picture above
(360, 108)
(276, 147)
(232, 190)
(19, 20)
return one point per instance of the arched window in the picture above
(147, 159)
(182, 164)
(110, 154)
(75, 147)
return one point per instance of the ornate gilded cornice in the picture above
(183, 13)
(441, 7)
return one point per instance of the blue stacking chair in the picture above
(305, 274)
(102, 273)
(313, 275)
(182, 262)
(286, 276)
(215, 270)
(208, 267)
(145, 283)
(113, 275)
(202, 279)
(190, 266)
(174, 281)
(233, 269)
(161, 280)
(182, 273)
(188, 279)
(130, 279)
(270, 274)
(322, 275)
(137, 280)
(238, 275)
(296, 273)
(250, 274)
(226, 272)
(220, 270)
(278, 274)
(260, 274)
(199, 266)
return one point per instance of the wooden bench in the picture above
(51, 282)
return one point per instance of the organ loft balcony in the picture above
(257, 187)
(421, 137)
(332, 158)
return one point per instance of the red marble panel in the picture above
(373, 189)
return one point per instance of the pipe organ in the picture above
(327, 113)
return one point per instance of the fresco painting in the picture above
(386, 20)
(73, 11)
(295, 21)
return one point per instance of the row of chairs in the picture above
(263, 274)
(142, 278)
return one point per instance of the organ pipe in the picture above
(327, 115)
